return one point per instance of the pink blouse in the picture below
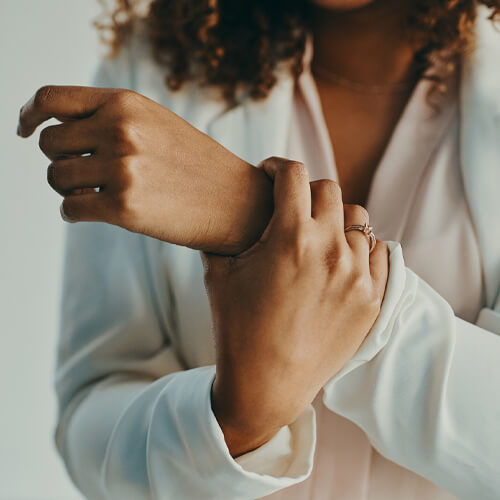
(417, 198)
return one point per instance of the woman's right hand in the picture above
(292, 310)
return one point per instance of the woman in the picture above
(409, 376)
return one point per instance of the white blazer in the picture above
(136, 360)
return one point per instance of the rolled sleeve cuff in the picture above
(289, 454)
(281, 462)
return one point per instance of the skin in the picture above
(384, 55)
(251, 412)
(281, 337)
(152, 167)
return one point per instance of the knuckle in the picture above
(58, 177)
(331, 189)
(123, 204)
(365, 292)
(44, 96)
(69, 209)
(301, 243)
(360, 283)
(123, 130)
(278, 161)
(125, 172)
(374, 302)
(46, 138)
(125, 136)
(361, 287)
(51, 176)
(294, 169)
(122, 99)
(273, 159)
(329, 185)
(358, 213)
(302, 238)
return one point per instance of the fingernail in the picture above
(63, 215)
(61, 211)
(18, 131)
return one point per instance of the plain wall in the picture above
(41, 41)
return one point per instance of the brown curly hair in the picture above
(238, 45)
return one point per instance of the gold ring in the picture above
(365, 229)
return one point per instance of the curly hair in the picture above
(237, 45)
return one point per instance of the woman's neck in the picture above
(367, 46)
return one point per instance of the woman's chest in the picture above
(359, 127)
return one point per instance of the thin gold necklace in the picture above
(336, 79)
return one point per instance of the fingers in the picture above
(64, 176)
(71, 138)
(327, 205)
(379, 267)
(89, 207)
(292, 194)
(61, 102)
(357, 240)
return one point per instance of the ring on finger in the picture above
(367, 230)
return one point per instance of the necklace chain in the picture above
(363, 88)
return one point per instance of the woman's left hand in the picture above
(156, 174)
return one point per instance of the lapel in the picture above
(480, 147)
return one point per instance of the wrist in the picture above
(240, 440)
(247, 209)
(244, 429)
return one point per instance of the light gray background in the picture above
(41, 41)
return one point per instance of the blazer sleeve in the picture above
(425, 386)
(133, 423)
